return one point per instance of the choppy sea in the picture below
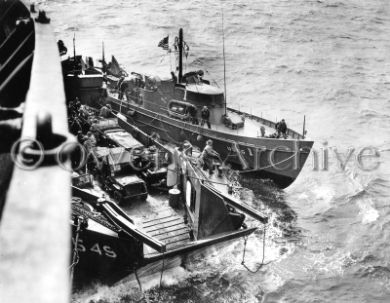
(329, 233)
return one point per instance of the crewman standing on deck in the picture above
(208, 156)
(205, 115)
(193, 115)
(281, 127)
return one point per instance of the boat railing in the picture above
(35, 231)
(194, 170)
(290, 133)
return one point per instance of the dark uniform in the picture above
(193, 115)
(208, 156)
(281, 127)
(205, 115)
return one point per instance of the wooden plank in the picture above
(173, 234)
(167, 230)
(165, 221)
(165, 225)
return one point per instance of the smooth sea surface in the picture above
(329, 232)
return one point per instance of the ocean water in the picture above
(328, 239)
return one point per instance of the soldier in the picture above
(205, 115)
(119, 87)
(208, 156)
(80, 137)
(193, 115)
(105, 111)
(281, 127)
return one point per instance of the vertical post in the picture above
(304, 126)
(103, 59)
(224, 63)
(74, 55)
(180, 55)
(35, 231)
(74, 45)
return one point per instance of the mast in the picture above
(224, 63)
(180, 55)
(74, 46)
(74, 54)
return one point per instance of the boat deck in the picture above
(251, 127)
(156, 217)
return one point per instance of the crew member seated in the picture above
(205, 115)
(281, 127)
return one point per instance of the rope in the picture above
(144, 297)
(161, 276)
(162, 270)
(253, 271)
(76, 257)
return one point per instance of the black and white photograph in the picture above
(194, 151)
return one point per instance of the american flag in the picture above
(164, 43)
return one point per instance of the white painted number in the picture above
(105, 250)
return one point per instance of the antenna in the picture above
(103, 59)
(74, 46)
(74, 54)
(180, 55)
(224, 61)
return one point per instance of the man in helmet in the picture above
(105, 111)
(281, 127)
(205, 115)
(208, 156)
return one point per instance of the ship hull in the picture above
(108, 257)
(280, 160)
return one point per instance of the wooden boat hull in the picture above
(277, 159)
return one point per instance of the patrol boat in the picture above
(166, 108)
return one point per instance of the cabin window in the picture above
(178, 108)
(205, 99)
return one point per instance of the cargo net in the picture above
(86, 211)
(234, 184)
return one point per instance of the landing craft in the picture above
(111, 242)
